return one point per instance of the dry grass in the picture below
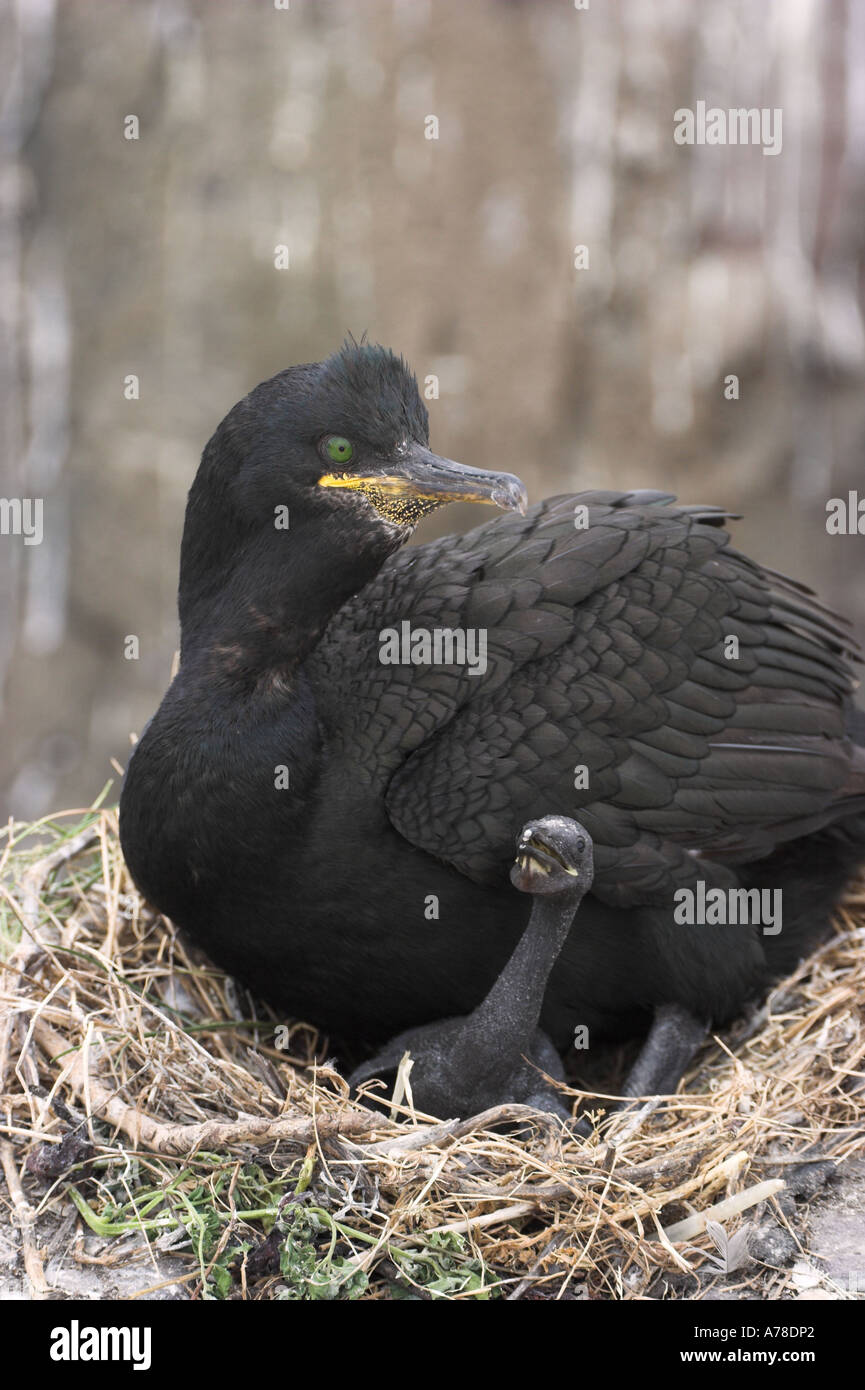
(138, 1087)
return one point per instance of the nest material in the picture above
(141, 1090)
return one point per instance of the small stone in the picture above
(805, 1276)
(773, 1245)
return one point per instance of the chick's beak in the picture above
(421, 474)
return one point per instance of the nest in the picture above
(151, 1113)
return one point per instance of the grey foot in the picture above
(673, 1038)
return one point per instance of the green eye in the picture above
(338, 449)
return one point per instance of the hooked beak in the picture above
(422, 475)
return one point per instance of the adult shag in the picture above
(336, 830)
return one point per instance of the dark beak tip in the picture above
(511, 495)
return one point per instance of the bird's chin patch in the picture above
(396, 508)
(400, 511)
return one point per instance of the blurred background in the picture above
(307, 128)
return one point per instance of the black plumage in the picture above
(608, 648)
(498, 1054)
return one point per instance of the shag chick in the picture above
(496, 1054)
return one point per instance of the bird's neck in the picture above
(257, 617)
(510, 1012)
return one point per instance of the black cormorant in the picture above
(330, 811)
